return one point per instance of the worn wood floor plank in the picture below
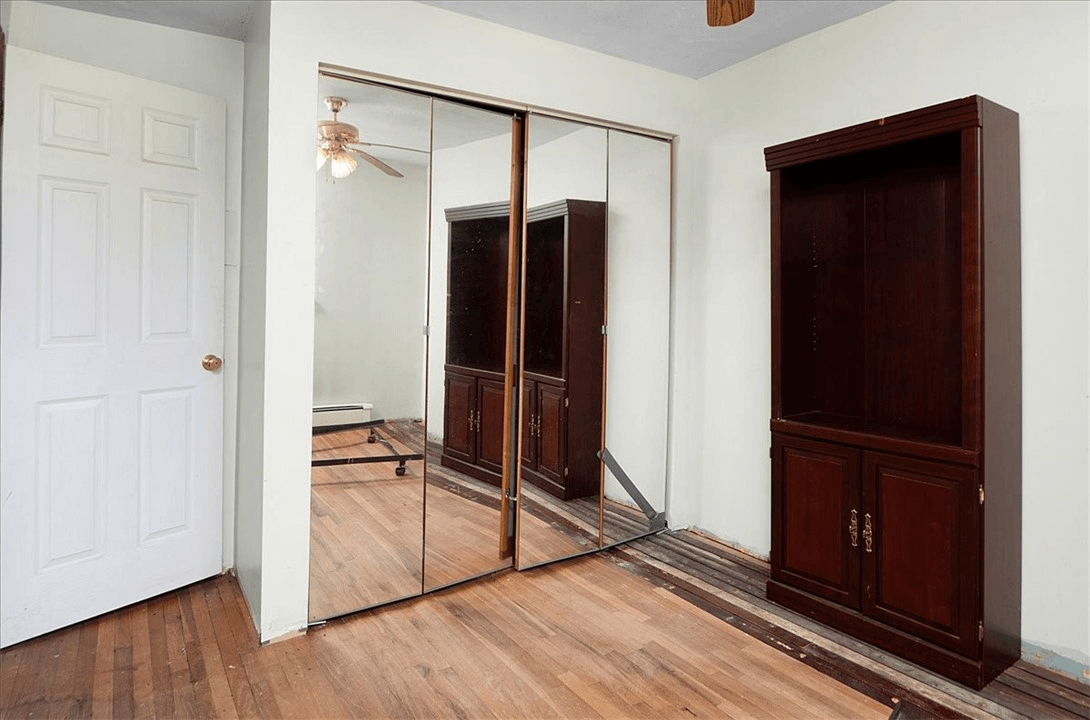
(231, 643)
(143, 685)
(122, 667)
(102, 693)
(59, 695)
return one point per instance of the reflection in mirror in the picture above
(637, 357)
(562, 345)
(367, 475)
(468, 315)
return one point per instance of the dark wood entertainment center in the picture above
(896, 384)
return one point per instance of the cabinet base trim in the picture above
(474, 471)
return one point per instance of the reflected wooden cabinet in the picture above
(896, 432)
(473, 420)
(544, 432)
(564, 291)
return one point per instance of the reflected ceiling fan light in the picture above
(343, 164)
(336, 139)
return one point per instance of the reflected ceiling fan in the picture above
(337, 143)
(728, 12)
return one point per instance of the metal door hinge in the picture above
(565, 402)
(427, 330)
(980, 632)
(565, 472)
(605, 329)
(981, 494)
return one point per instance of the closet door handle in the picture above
(868, 533)
(478, 421)
(853, 528)
(471, 419)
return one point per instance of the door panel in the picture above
(816, 522)
(112, 292)
(921, 571)
(459, 417)
(489, 424)
(552, 447)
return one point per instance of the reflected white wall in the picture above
(638, 303)
(370, 284)
(571, 167)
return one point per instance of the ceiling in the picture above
(671, 35)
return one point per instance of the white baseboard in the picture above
(326, 415)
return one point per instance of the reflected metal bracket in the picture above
(655, 520)
(393, 456)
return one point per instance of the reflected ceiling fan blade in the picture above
(728, 12)
(375, 161)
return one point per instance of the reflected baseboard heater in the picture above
(326, 415)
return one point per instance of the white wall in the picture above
(1031, 57)
(249, 525)
(370, 290)
(423, 44)
(202, 63)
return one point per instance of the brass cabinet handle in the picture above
(853, 528)
(868, 532)
(478, 421)
(471, 419)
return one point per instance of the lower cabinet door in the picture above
(490, 424)
(817, 522)
(921, 554)
(551, 447)
(459, 417)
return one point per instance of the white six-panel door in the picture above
(111, 292)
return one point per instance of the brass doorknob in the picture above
(211, 363)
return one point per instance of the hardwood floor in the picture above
(668, 626)
(731, 585)
(579, 640)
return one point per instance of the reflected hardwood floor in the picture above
(366, 533)
(365, 536)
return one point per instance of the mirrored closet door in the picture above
(470, 330)
(562, 346)
(595, 334)
(637, 337)
(367, 475)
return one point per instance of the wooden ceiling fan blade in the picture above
(376, 162)
(728, 12)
